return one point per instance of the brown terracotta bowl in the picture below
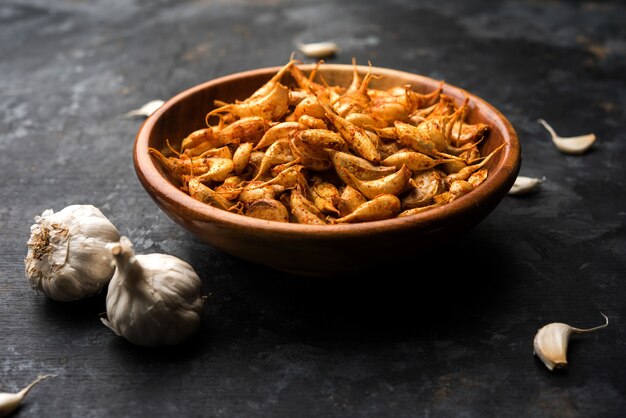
(325, 250)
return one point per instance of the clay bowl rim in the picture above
(500, 179)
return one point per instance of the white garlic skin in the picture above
(152, 299)
(67, 258)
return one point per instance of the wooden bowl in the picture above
(325, 250)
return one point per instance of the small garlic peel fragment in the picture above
(570, 145)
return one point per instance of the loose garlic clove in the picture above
(525, 185)
(318, 49)
(9, 402)
(67, 258)
(153, 299)
(145, 110)
(550, 342)
(570, 145)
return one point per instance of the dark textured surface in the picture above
(450, 335)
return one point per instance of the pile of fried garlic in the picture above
(321, 154)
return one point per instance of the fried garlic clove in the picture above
(349, 199)
(325, 196)
(311, 157)
(272, 106)
(423, 187)
(256, 190)
(281, 130)
(466, 172)
(478, 177)
(287, 178)
(241, 157)
(360, 168)
(230, 188)
(460, 188)
(277, 153)
(392, 184)
(303, 210)
(268, 209)
(201, 139)
(384, 206)
(221, 152)
(309, 106)
(415, 161)
(266, 88)
(388, 112)
(365, 120)
(358, 138)
(246, 129)
(322, 138)
(219, 169)
(312, 122)
(205, 194)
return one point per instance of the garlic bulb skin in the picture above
(152, 299)
(67, 258)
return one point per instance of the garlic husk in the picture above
(152, 299)
(67, 258)
(551, 341)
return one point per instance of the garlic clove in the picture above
(145, 110)
(524, 185)
(551, 341)
(9, 402)
(570, 145)
(318, 49)
(67, 258)
(550, 345)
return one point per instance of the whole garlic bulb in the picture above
(152, 299)
(67, 257)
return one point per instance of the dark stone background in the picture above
(450, 335)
